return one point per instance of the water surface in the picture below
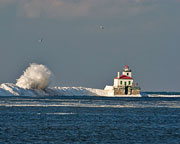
(89, 120)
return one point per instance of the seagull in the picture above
(101, 27)
(40, 40)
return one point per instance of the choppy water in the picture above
(89, 120)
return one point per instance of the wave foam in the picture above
(36, 76)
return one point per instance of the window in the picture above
(125, 83)
(129, 82)
(127, 74)
(121, 82)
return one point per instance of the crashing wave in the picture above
(9, 89)
(36, 76)
(35, 81)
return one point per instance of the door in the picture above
(126, 90)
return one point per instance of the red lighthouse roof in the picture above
(126, 66)
(123, 77)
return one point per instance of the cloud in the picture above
(74, 8)
(6, 2)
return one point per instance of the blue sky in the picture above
(144, 34)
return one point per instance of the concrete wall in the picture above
(119, 91)
(131, 91)
(135, 91)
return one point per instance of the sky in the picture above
(144, 34)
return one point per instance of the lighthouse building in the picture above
(125, 79)
(124, 84)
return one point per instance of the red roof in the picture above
(126, 66)
(123, 77)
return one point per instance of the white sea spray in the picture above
(36, 76)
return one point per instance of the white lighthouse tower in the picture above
(127, 71)
(125, 79)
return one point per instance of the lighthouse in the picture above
(124, 84)
(125, 79)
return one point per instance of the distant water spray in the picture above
(36, 76)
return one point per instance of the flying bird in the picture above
(40, 40)
(101, 27)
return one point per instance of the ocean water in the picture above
(74, 120)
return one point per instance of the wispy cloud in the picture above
(73, 8)
(6, 2)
